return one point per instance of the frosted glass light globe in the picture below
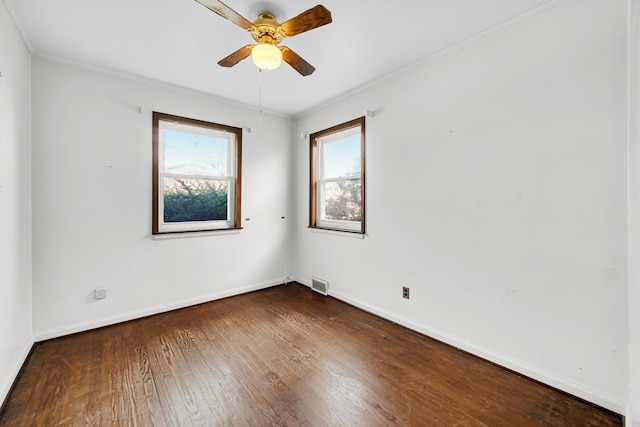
(266, 56)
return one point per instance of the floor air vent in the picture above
(319, 285)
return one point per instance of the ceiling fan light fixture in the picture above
(268, 33)
(266, 56)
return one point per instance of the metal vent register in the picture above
(319, 285)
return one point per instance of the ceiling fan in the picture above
(268, 33)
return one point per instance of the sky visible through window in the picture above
(342, 157)
(194, 154)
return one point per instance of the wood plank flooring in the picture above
(283, 356)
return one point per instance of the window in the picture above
(196, 175)
(337, 177)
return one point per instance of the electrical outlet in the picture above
(405, 292)
(99, 293)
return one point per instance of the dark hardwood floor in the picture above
(278, 357)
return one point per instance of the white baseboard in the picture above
(565, 384)
(628, 417)
(561, 383)
(14, 369)
(149, 311)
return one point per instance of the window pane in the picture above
(195, 200)
(342, 200)
(194, 154)
(341, 157)
(337, 177)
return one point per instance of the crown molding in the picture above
(99, 69)
(454, 48)
(16, 21)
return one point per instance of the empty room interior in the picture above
(414, 213)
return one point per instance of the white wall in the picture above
(496, 190)
(15, 203)
(92, 202)
(633, 411)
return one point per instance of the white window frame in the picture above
(233, 136)
(318, 141)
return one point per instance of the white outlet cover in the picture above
(99, 293)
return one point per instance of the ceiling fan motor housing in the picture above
(266, 29)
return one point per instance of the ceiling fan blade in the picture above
(226, 12)
(236, 56)
(296, 61)
(308, 20)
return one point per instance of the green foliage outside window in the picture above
(343, 201)
(192, 200)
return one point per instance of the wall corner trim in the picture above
(16, 21)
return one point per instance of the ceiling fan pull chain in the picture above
(259, 105)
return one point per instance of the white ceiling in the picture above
(180, 41)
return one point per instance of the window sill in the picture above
(337, 232)
(191, 234)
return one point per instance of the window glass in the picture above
(196, 185)
(337, 177)
(195, 200)
(341, 200)
(341, 157)
(194, 154)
